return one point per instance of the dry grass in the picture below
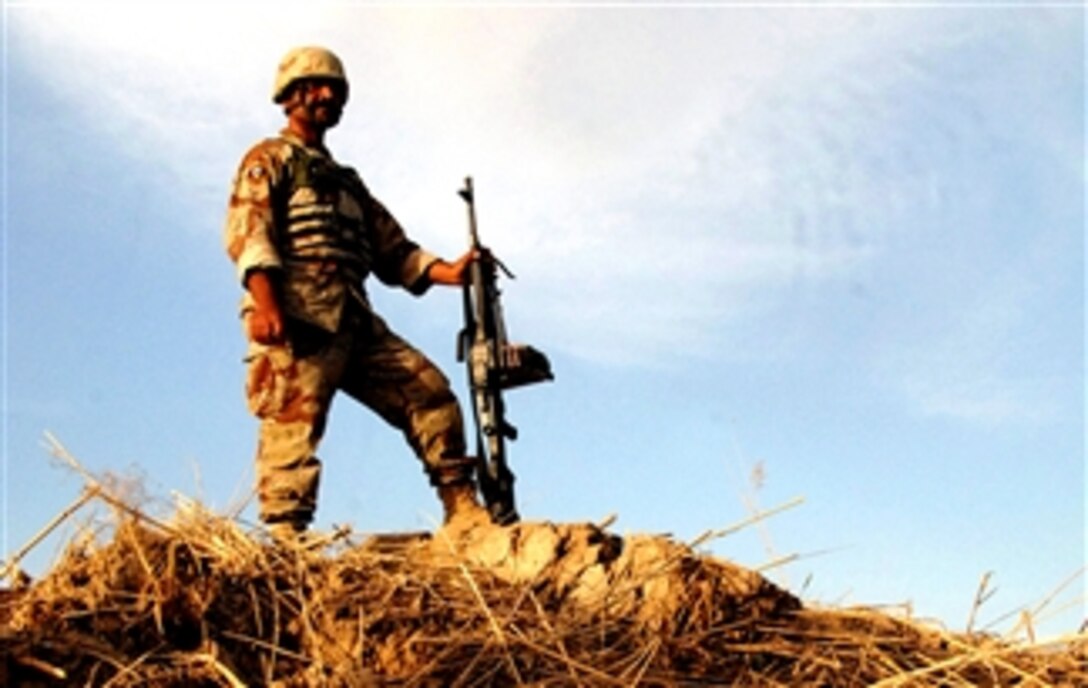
(202, 601)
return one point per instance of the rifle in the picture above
(493, 364)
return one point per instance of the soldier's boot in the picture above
(287, 532)
(460, 504)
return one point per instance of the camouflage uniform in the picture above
(297, 214)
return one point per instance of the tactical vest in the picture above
(323, 216)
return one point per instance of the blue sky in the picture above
(840, 246)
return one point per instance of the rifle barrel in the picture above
(470, 198)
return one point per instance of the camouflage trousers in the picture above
(290, 389)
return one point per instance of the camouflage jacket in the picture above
(297, 213)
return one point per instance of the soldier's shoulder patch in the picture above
(263, 163)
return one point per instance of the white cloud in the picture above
(690, 166)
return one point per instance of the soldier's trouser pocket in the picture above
(271, 374)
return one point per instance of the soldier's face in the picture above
(319, 101)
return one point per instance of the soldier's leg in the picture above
(406, 389)
(291, 395)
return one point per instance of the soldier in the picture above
(304, 232)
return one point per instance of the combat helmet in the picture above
(307, 62)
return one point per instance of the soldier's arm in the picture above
(441, 272)
(264, 323)
(398, 261)
(249, 240)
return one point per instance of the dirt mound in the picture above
(202, 602)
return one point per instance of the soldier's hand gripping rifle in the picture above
(494, 364)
